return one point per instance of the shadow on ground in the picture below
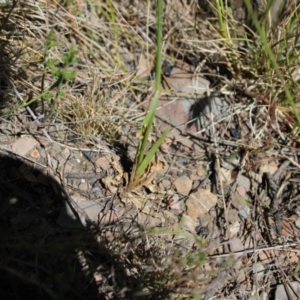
(45, 254)
(38, 258)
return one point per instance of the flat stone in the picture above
(183, 185)
(91, 208)
(23, 145)
(67, 217)
(175, 110)
(199, 203)
(258, 269)
(289, 291)
(103, 162)
(236, 245)
(56, 147)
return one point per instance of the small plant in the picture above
(62, 74)
(59, 69)
(225, 18)
(143, 159)
(272, 54)
(272, 57)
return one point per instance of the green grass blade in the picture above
(148, 120)
(151, 153)
(268, 51)
(146, 127)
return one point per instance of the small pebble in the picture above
(88, 154)
(194, 177)
(236, 245)
(43, 153)
(201, 172)
(183, 185)
(65, 153)
(297, 223)
(103, 162)
(166, 183)
(56, 147)
(97, 192)
(244, 212)
(35, 154)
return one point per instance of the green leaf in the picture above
(50, 62)
(51, 41)
(68, 75)
(55, 72)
